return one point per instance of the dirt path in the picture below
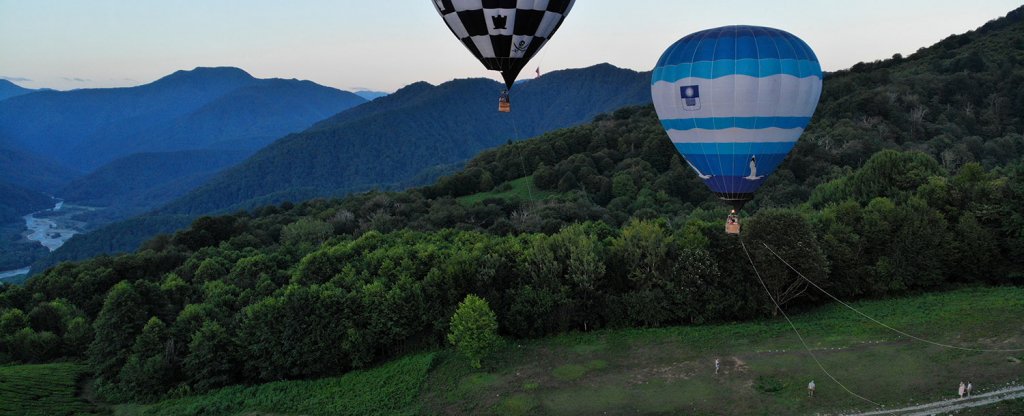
(947, 406)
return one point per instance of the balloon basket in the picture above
(505, 107)
(732, 224)
(732, 228)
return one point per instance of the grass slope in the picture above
(44, 390)
(391, 389)
(764, 368)
(521, 189)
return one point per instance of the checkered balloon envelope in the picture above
(504, 34)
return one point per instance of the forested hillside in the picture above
(16, 201)
(33, 172)
(140, 182)
(385, 144)
(596, 226)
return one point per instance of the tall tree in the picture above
(118, 323)
(148, 371)
(211, 359)
(790, 235)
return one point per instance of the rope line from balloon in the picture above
(791, 325)
(848, 306)
(522, 159)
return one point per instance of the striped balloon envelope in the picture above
(734, 100)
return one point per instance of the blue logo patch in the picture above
(690, 95)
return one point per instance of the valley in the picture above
(50, 228)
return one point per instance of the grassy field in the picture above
(391, 389)
(44, 390)
(521, 189)
(764, 369)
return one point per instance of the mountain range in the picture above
(402, 139)
(407, 138)
(205, 108)
(126, 151)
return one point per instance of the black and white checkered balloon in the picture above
(504, 34)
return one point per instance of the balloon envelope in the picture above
(504, 34)
(734, 100)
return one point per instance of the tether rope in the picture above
(877, 321)
(791, 325)
(522, 160)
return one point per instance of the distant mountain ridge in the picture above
(187, 110)
(9, 89)
(371, 95)
(389, 141)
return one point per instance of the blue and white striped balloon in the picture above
(734, 100)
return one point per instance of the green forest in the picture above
(910, 177)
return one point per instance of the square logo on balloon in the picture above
(690, 95)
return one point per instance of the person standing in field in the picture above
(962, 389)
(810, 389)
(969, 387)
(717, 364)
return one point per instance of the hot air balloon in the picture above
(734, 100)
(504, 34)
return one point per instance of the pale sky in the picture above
(386, 44)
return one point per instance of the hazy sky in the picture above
(385, 44)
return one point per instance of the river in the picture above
(51, 228)
(13, 273)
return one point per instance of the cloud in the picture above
(76, 79)
(16, 79)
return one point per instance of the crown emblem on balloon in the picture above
(499, 21)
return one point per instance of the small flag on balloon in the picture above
(538, 72)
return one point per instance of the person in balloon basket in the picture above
(732, 223)
(504, 102)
